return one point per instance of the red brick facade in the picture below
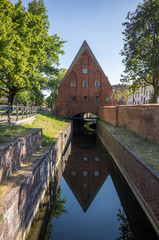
(84, 88)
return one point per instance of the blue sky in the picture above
(99, 22)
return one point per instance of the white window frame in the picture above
(85, 84)
(97, 83)
(85, 71)
(73, 84)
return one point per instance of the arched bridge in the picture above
(84, 88)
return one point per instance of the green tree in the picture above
(27, 52)
(57, 211)
(29, 97)
(124, 228)
(151, 97)
(123, 95)
(141, 47)
(53, 85)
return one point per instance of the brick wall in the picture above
(142, 181)
(108, 114)
(18, 151)
(142, 119)
(23, 201)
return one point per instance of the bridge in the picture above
(84, 88)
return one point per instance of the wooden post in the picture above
(9, 113)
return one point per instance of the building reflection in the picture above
(85, 171)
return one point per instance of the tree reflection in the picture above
(58, 209)
(124, 229)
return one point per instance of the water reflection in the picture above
(87, 205)
(85, 171)
(124, 229)
(58, 209)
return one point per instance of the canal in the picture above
(89, 199)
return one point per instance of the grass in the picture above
(0, 189)
(11, 132)
(144, 148)
(1, 217)
(51, 126)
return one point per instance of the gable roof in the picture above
(84, 46)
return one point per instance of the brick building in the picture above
(85, 172)
(84, 88)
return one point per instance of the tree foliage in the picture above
(124, 229)
(28, 55)
(141, 46)
(53, 85)
(123, 95)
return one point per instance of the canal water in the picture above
(88, 199)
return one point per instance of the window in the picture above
(85, 173)
(85, 159)
(97, 99)
(97, 159)
(73, 84)
(85, 84)
(73, 173)
(97, 83)
(85, 99)
(85, 71)
(141, 98)
(73, 159)
(84, 185)
(73, 99)
(96, 173)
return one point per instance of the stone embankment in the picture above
(142, 181)
(22, 193)
(13, 154)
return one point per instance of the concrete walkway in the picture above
(21, 121)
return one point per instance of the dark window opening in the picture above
(85, 99)
(97, 99)
(73, 99)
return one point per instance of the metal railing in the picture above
(14, 113)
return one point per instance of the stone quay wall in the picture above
(143, 182)
(142, 119)
(23, 201)
(13, 154)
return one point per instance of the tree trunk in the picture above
(155, 96)
(155, 85)
(11, 98)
